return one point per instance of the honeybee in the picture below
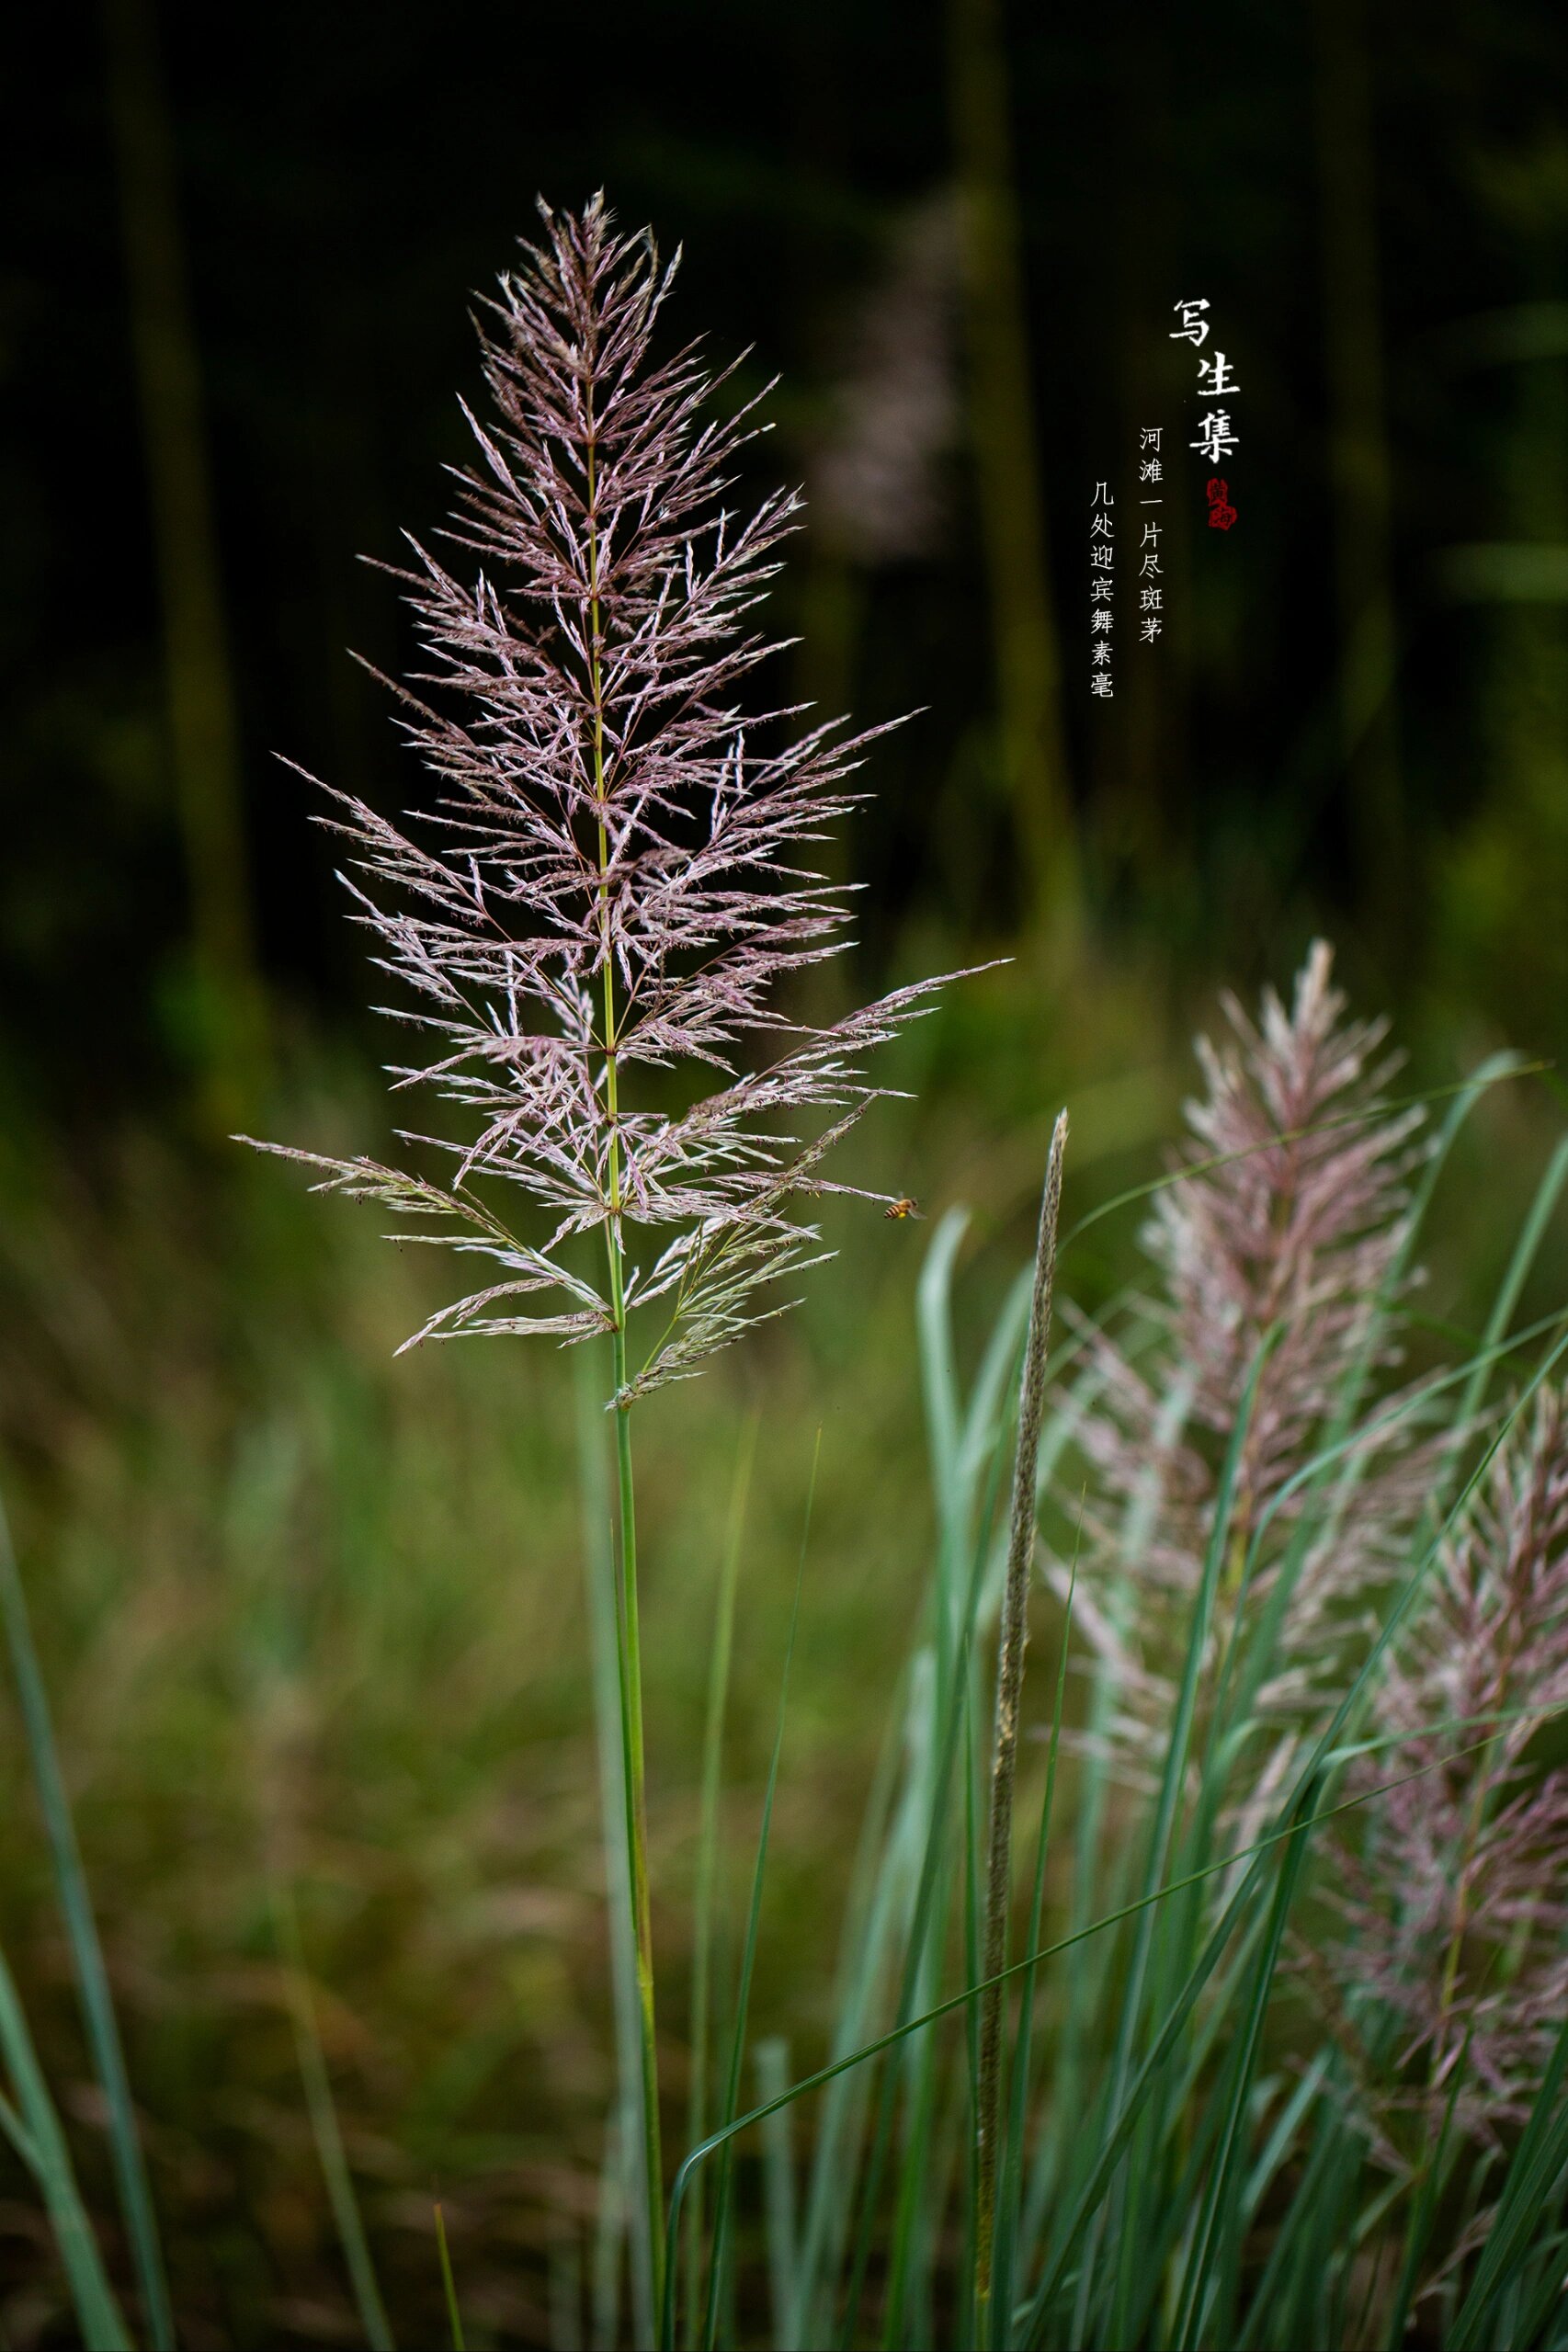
(901, 1209)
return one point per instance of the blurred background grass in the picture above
(307, 1613)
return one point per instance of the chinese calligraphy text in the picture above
(1102, 582)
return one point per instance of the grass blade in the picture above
(622, 2203)
(891, 1829)
(1252, 1854)
(1533, 2177)
(1012, 1646)
(324, 2128)
(708, 1844)
(778, 2188)
(748, 1956)
(34, 2129)
(449, 2284)
(1010, 2209)
(86, 1952)
(1220, 2207)
(950, 1714)
(1172, 1780)
(1523, 1257)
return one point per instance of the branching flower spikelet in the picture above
(613, 876)
(1287, 1228)
(1457, 1906)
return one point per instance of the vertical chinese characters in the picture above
(1151, 496)
(1102, 582)
(1217, 436)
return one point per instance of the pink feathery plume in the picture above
(1457, 1904)
(1289, 1224)
(612, 874)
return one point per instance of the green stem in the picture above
(621, 2209)
(40, 2143)
(630, 1646)
(708, 1858)
(87, 1951)
(324, 2128)
(636, 1802)
(449, 2284)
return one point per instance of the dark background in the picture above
(1376, 206)
(312, 1618)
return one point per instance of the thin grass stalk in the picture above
(324, 2129)
(708, 1846)
(898, 2321)
(33, 2126)
(1228, 2221)
(1175, 2222)
(1004, 2261)
(959, 1440)
(1113, 2147)
(1325, 1749)
(1288, 1826)
(1228, 1863)
(754, 1918)
(1306, 2235)
(930, 1904)
(1531, 1233)
(907, 2292)
(951, 2166)
(1549, 2295)
(1533, 2175)
(1201, 2290)
(635, 1784)
(974, 1968)
(623, 2210)
(1282, 2138)
(1423, 2210)
(1014, 1642)
(449, 2284)
(20, 2138)
(1171, 1785)
(1090, 1992)
(931, 1763)
(86, 1952)
(779, 2191)
(616, 2207)
(963, 1442)
(1087, 1991)
(1370, 2226)
(630, 1644)
(565, 2294)
(870, 1933)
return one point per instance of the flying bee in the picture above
(901, 1209)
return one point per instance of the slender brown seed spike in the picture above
(1014, 1640)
